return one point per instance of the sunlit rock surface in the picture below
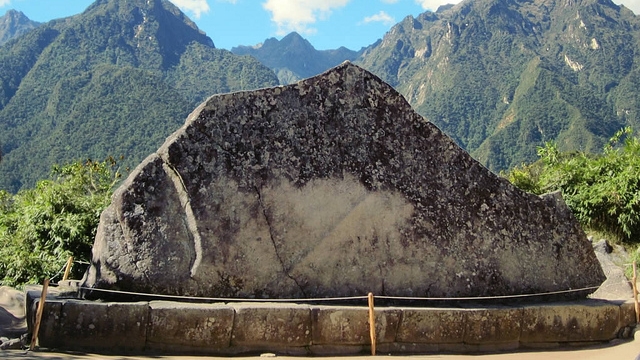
(330, 187)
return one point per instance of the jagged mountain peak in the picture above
(294, 58)
(292, 42)
(294, 37)
(151, 33)
(15, 15)
(13, 24)
(144, 7)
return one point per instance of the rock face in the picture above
(612, 260)
(12, 314)
(332, 186)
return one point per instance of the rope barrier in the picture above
(59, 272)
(65, 267)
(496, 297)
(223, 299)
(342, 298)
(364, 297)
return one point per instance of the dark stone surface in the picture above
(97, 326)
(340, 326)
(585, 321)
(191, 328)
(332, 186)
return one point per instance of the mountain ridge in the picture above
(498, 76)
(60, 101)
(294, 58)
(504, 76)
(13, 24)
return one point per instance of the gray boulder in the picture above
(332, 186)
(12, 313)
(612, 260)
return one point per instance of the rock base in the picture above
(163, 327)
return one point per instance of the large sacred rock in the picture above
(330, 187)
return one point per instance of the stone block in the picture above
(48, 336)
(494, 347)
(186, 327)
(627, 314)
(103, 327)
(350, 325)
(339, 350)
(574, 322)
(271, 325)
(32, 296)
(431, 326)
(12, 312)
(492, 326)
(409, 348)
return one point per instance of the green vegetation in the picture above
(108, 81)
(603, 190)
(41, 227)
(502, 77)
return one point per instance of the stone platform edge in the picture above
(168, 327)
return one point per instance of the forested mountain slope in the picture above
(502, 76)
(113, 80)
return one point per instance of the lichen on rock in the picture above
(332, 186)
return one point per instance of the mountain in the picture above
(293, 58)
(116, 80)
(502, 76)
(13, 24)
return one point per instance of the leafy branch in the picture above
(41, 227)
(603, 191)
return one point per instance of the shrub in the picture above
(41, 227)
(603, 191)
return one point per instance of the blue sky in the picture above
(327, 24)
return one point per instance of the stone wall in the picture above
(165, 327)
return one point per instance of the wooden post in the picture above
(372, 325)
(68, 269)
(635, 292)
(36, 327)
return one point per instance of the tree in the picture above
(41, 227)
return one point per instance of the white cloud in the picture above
(5, 2)
(435, 4)
(382, 17)
(299, 15)
(196, 7)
